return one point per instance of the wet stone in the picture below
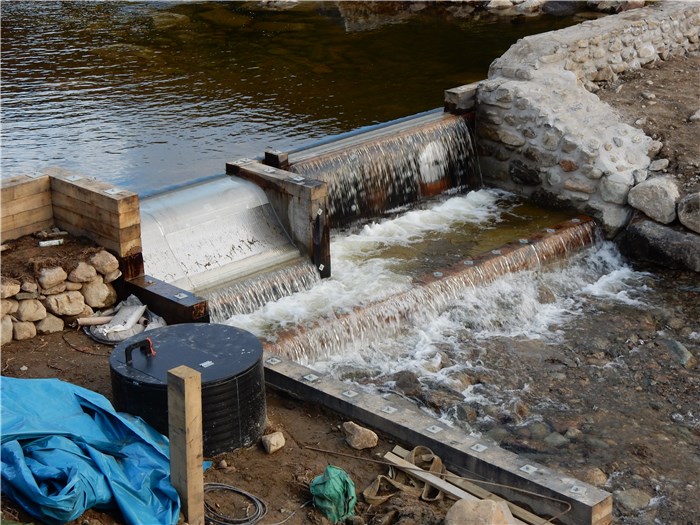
(556, 440)
(631, 500)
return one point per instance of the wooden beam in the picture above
(173, 304)
(20, 219)
(117, 220)
(186, 442)
(27, 203)
(70, 220)
(22, 186)
(481, 493)
(96, 193)
(27, 229)
(25, 206)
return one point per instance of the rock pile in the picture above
(544, 134)
(57, 296)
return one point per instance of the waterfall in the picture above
(375, 172)
(430, 294)
(253, 293)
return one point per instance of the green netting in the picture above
(334, 494)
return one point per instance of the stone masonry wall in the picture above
(57, 296)
(544, 134)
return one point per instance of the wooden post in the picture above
(186, 445)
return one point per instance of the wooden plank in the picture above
(449, 488)
(117, 247)
(117, 220)
(481, 493)
(429, 478)
(21, 219)
(21, 231)
(27, 203)
(93, 193)
(68, 219)
(186, 441)
(22, 186)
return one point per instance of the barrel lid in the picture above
(217, 351)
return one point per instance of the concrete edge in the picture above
(466, 455)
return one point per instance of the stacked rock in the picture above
(57, 296)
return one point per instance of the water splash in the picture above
(254, 293)
(363, 325)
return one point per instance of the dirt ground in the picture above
(632, 422)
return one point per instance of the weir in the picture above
(242, 240)
(390, 166)
(255, 292)
(244, 245)
(204, 235)
(430, 294)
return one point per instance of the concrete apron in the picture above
(548, 492)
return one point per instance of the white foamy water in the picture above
(531, 304)
(360, 273)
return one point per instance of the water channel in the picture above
(146, 95)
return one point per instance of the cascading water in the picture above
(383, 295)
(206, 234)
(364, 325)
(253, 293)
(393, 166)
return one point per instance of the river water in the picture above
(148, 94)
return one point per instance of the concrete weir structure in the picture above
(541, 132)
(527, 484)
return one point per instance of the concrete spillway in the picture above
(208, 234)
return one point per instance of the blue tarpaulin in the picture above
(65, 450)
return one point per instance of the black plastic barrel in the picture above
(233, 380)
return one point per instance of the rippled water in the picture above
(387, 258)
(147, 94)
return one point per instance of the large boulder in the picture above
(99, 294)
(82, 273)
(30, 310)
(104, 262)
(8, 287)
(689, 211)
(8, 306)
(23, 330)
(656, 198)
(6, 330)
(66, 303)
(49, 325)
(660, 244)
(50, 277)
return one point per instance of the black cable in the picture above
(212, 516)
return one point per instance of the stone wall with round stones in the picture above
(543, 133)
(57, 296)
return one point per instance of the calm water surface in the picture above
(147, 94)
